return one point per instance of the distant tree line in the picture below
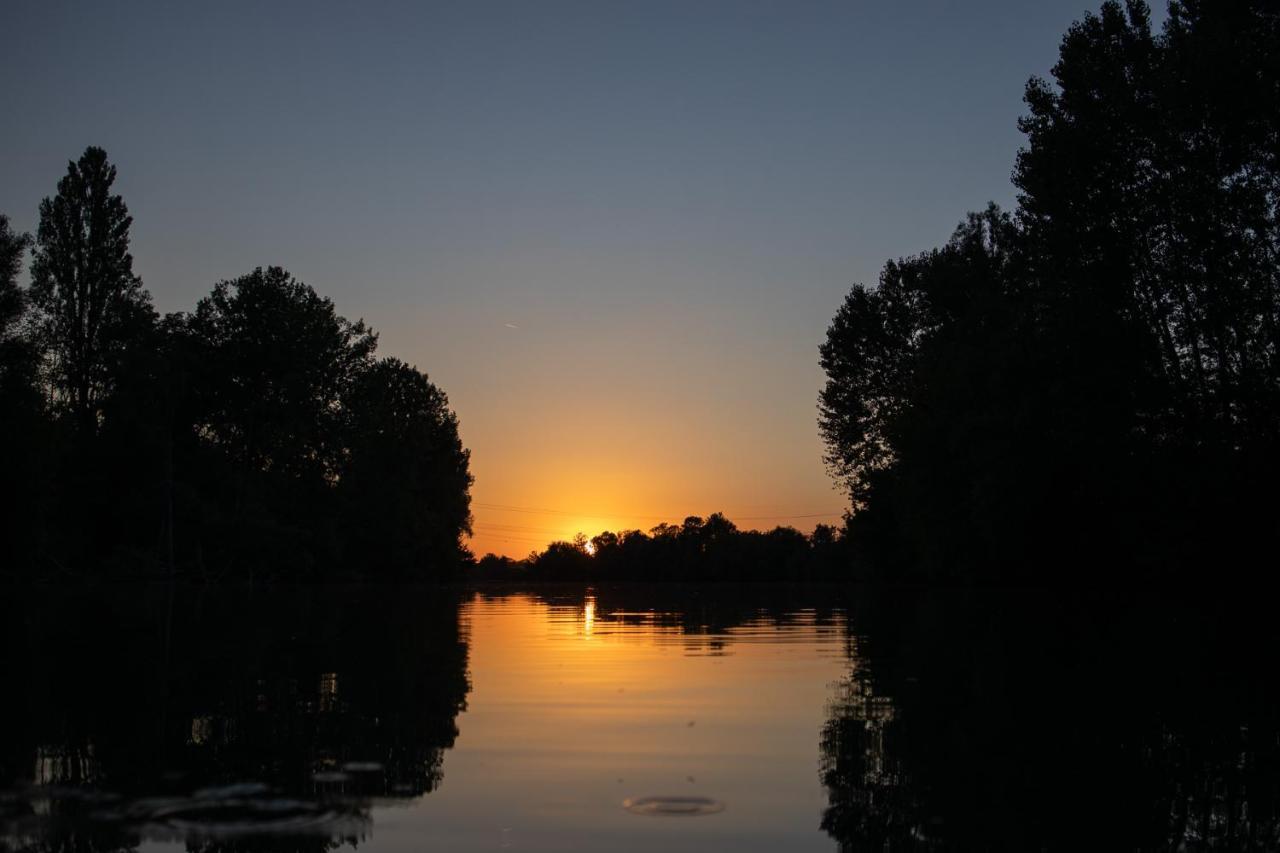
(1093, 380)
(710, 549)
(257, 436)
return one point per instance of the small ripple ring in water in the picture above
(672, 806)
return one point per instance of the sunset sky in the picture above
(614, 233)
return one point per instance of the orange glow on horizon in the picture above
(514, 530)
(589, 418)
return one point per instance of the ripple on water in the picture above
(204, 814)
(230, 810)
(672, 806)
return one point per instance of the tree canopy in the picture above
(406, 477)
(271, 361)
(16, 356)
(697, 549)
(256, 436)
(91, 307)
(1097, 373)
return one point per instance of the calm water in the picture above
(660, 718)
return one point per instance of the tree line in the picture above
(1091, 380)
(1088, 381)
(257, 436)
(697, 549)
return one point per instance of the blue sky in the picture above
(613, 232)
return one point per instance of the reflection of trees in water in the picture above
(704, 616)
(63, 840)
(869, 800)
(1015, 722)
(324, 695)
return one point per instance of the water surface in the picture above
(634, 718)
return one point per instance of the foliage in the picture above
(91, 307)
(405, 482)
(711, 549)
(24, 419)
(1099, 373)
(256, 436)
(12, 303)
(270, 360)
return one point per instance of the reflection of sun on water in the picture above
(588, 615)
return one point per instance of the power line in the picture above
(531, 510)
(516, 528)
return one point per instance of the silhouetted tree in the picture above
(406, 479)
(265, 363)
(713, 549)
(23, 426)
(91, 306)
(256, 434)
(83, 339)
(922, 403)
(562, 561)
(1098, 374)
(16, 359)
(271, 360)
(1148, 190)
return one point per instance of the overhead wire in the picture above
(567, 513)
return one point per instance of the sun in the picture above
(590, 548)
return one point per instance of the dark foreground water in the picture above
(634, 718)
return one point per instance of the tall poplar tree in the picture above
(91, 307)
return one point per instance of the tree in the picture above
(1149, 188)
(265, 363)
(16, 360)
(91, 307)
(270, 362)
(404, 485)
(255, 433)
(868, 359)
(22, 427)
(1107, 355)
(923, 376)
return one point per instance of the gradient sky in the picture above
(614, 233)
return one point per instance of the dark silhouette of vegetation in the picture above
(257, 436)
(229, 717)
(22, 425)
(710, 549)
(1090, 380)
(1094, 379)
(89, 307)
(17, 363)
(404, 487)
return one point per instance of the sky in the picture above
(614, 233)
